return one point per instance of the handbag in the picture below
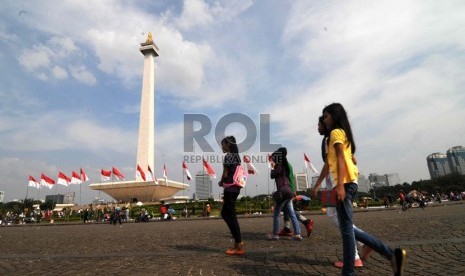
(284, 193)
(277, 196)
(328, 198)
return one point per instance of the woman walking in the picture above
(341, 147)
(231, 192)
(280, 172)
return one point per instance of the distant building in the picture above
(315, 179)
(2, 195)
(392, 179)
(438, 165)
(363, 184)
(203, 186)
(456, 158)
(57, 199)
(377, 180)
(301, 181)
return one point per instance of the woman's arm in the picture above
(276, 170)
(224, 175)
(341, 169)
(324, 173)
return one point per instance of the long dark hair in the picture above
(280, 157)
(320, 121)
(232, 146)
(339, 116)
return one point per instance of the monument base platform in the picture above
(145, 191)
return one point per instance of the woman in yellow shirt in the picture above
(341, 147)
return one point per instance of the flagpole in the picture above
(80, 193)
(27, 192)
(309, 185)
(183, 175)
(38, 192)
(53, 205)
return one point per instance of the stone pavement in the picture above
(434, 239)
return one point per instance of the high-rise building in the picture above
(456, 158)
(377, 180)
(363, 184)
(438, 165)
(203, 186)
(392, 179)
(2, 194)
(301, 181)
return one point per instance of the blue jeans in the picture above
(349, 234)
(286, 207)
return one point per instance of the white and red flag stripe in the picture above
(105, 175)
(46, 181)
(188, 174)
(209, 169)
(250, 167)
(140, 173)
(33, 183)
(84, 177)
(151, 176)
(308, 163)
(117, 173)
(63, 179)
(75, 178)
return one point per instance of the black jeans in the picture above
(228, 213)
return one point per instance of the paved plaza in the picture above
(434, 239)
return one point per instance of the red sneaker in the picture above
(357, 263)
(309, 227)
(238, 249)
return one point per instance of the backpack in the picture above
(239, 178)
(291, 178)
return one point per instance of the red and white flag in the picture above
(250, 167)
(46, 181)
(165, 175)
(309, 164)
(75, 178)
(84, 177)
(105, 175)
(151, 176)
(63, 179)
(188, 174)
(33, 183)
(209, 169)
(270, 162)
(117, 173)
(140, 173)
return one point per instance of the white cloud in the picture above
(195, 12)
(33, 59)
(81, 74)
(59, 73)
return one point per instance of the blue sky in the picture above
(71, 73)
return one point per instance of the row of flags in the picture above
(148, 175)
(249, 166)
(63, 179)
(106, 175)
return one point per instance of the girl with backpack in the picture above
(283, 196)
(231, 192)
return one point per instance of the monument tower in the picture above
(144, 190)
(146, 144)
